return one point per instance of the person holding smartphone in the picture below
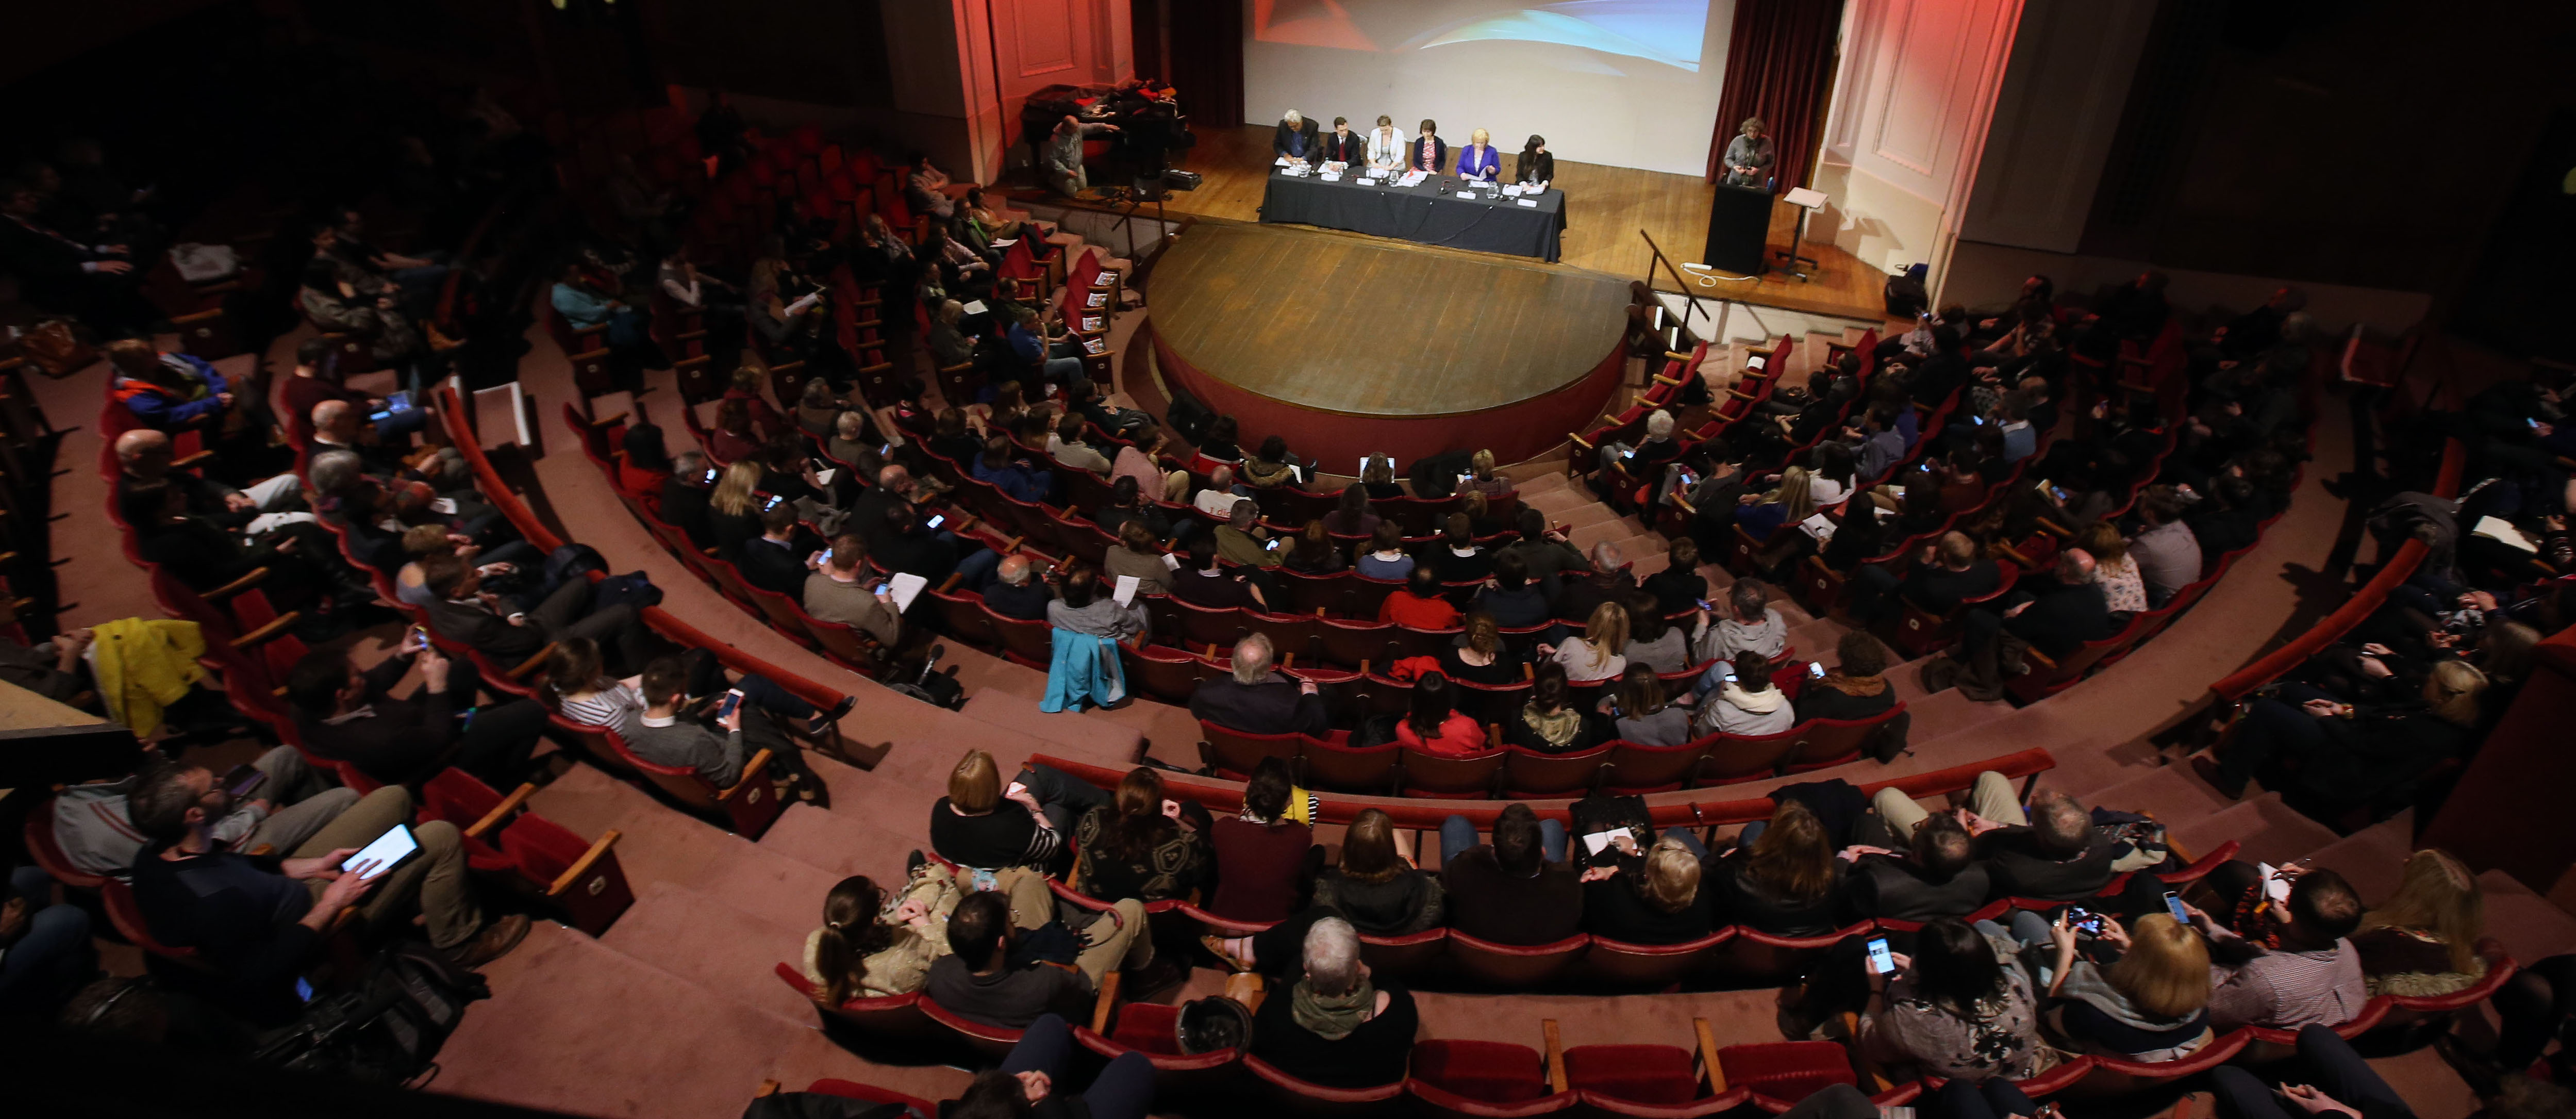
(353, 716)
(1959, 1007)
(260, 920)
(666, 734)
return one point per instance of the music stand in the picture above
(1807, 201)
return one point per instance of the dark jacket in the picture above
(2020, 869)
(1407, 903)
(1940, 590)
(2060, 617)
(1515, 608)
(1582, 596)
(1280, 135)
(776, 567)
(1486, 903)
(1749, 903)
(1276, 705)
(1880, 886)
(684, 507)
(1012, 997)
(1342, 149)
(1372, 1055)
(1439, 155)
(1613, 909)
(404, 740)
(243, 913)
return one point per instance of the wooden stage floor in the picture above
(1605, 209)
(1369, 327)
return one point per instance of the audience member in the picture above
(2423, 940)
(1266, 859)
(1744, 702)
(1960, 1006)
(1419, 604)
(1750, 625)
(1642, 715)
(2151, 1004)
(1337, 1026)
(1654, 899)
(2311, 976)
(94, 822)
(1259, 699)
(1856, 689)
(1140, 845)
(1435, 726)
(1549, 723)
(1515, 890)
(1784, 880)
(1936, 875)
(1017, 592)
(968, 828)
(1376, 886)
(838, 590)
(352, 716)
(987, 979)
(1597, 654)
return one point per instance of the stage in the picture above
(1607, 208)
(1348, 345)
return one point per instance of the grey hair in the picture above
(1606, 557)
(846, 425)
(1292, 116)
(1660, 425)
(1252, 657)
(333, 471)
(1333, 956)
(2058, 818)
(1750, 596)
(1244, 510)
(688, 464)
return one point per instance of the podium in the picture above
(1739, 226)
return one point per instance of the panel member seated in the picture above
(1427, 152)
(1341, 145)
(1478, 160)
(1295, 138)
(1386, 145)
(1536, 166)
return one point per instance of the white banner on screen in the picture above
(1629, 83)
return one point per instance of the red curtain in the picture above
(1206, 60)
(1779, 62)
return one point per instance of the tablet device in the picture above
(389, 850)
(241, 779)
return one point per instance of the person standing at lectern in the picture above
(1295, 138)
(1478, 160)
(1342, 145)
(1748, 156)
(1428, 153)
(1536, 167)
(1386, 145)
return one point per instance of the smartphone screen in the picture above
(2057, 493)
(1881, 961)
(732, 702)
(774, 499)
(881, 588)
(1815, 671)
(711, 476)
(2173, 905)
(937, 520)
(1273, 545)
(827, 555)
(387, 852)
(303, 989)
(2083, 920)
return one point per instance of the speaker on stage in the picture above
(1739, 227)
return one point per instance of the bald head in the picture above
(144, 453)
(895, 479)
(1014, 570)
(1221, 478)
(336, 419)
(2075, 565)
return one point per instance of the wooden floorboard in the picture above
(1606, 209)
(1366, 326)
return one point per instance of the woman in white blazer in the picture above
(1386, 145)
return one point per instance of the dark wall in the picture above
(828, 52)
(2366, 142)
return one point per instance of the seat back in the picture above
(1370, 769)
(1825, 743)
(1528, 773)
(48, 854)
(1786, 1071)
(1649, 966)
(1486, 1071)
(1737, 757)
(1028, 642)
(1514, 967)
(1235, 754)
(1646, 769)
(1427, 774)
(1647, 1074)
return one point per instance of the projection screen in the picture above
(1629, 83)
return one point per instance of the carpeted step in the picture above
(1020, 729)
(660, 843)
(2372, 859)
(2165, 792)
(578, 1027)
(698, 937)
(2530, 926)
(2269, 830)
(1949, 712)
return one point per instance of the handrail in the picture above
(1681, 284)
(2354, 611)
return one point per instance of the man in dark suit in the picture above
(684, 498)
(2055, 856)
(776, 560)
(1937, 876)
(1295, 138)
(1256, 700)
(464, 613)
(2054, 614)
(901, 544)
(1342, 145)
(1016, 593)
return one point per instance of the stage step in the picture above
(660, 843)
(698, 937)
(2372, 859)
(2269, 830)
(2530, 926)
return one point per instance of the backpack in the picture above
(388, 1028)
(938, 689)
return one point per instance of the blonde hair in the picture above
(1608, 629)
(975, 786)
(1480, 136)
(733, 494)
(1672, 875)
(2103, 539)
(1797, 502)
(2166, 970)
(2453, 689)
(1482, 462)
(2438, 896)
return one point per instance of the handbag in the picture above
(55, 350)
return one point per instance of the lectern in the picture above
(1739, 224)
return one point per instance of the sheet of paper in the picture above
(1283, 161)
(1330, 176)
(975, 308)
(826, 476)
(1528, 203)
(1091, 322)
(2503, 532)
(1819, 526)
(1171, 561)
(907, 586)
(1600, 841)
(1127, 585)
(1004, 242)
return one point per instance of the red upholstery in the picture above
(543, 848)
(1640, 1073)
(1151, 1028)
(1491, 1071)
(1786, 1070)
(457, 797)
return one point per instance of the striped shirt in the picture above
(2287, 990)
(616, 709)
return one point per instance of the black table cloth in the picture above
(1421, 213)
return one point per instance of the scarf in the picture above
(1758, 703)
(1854, 685)
(1331, 1017)
(1557, 729)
